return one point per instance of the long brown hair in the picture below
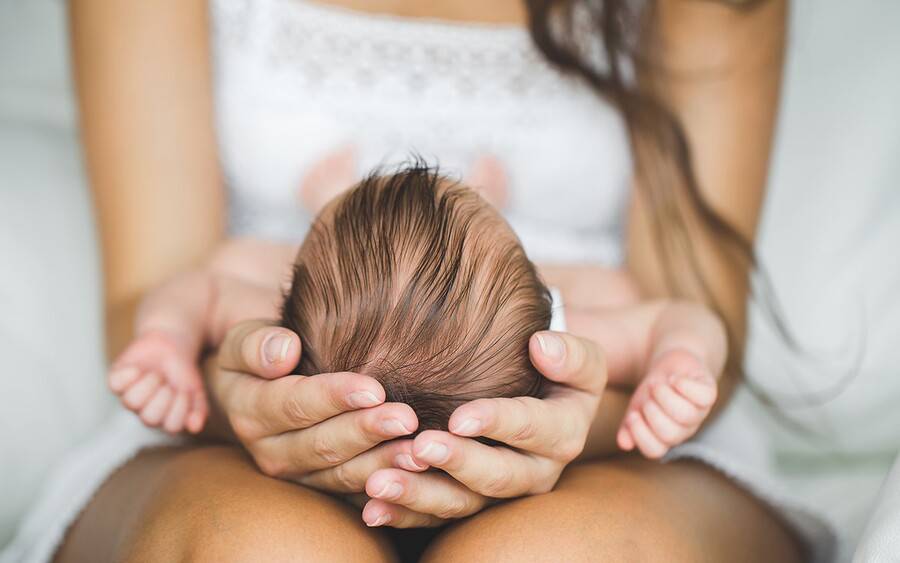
(597, 40)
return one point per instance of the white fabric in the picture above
(880, 541)
(52, 394)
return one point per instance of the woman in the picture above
(426, 75)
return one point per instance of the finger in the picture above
(260, 348)
(140, 392)
(296, 402)
(568, 359)
(156, 408)
(175, 419)
(121, 378)
(198, 412)
(351, 476)
(624, 439)
(379, 513)
(644, 439)
(335, 440)
(537, 426)
(491, 471)
(667, 430)
(680, 409)
(427, 493)
(702, 394)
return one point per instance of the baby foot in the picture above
(332, 175)
(669, 404)
(488, 177)
(157, 379)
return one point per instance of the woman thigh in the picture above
(211, 504)
(627, 509)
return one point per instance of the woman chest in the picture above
(309, 98)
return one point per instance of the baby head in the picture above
(418, 282)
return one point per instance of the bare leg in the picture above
(211, 504)
(627, 509)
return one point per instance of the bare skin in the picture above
(145, 164)
(598, 511)
(212, 504)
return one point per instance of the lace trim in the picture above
(322, 45)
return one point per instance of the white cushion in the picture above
(51, 381)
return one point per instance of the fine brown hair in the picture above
(416, 281)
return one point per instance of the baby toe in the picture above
(175, 418)
(141, 390)
(121, 378)
(644, 439)
(198, 412)
(701, 393)
(667, 430)
(624, 439)
(680, 409)
(157, 407)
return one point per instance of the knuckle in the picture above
(344, 479)
(544, 485)
(244, 428)
(497, 485)
(324, 449)
(271, 466)
(453, 507)
(569, 449)
(296, 411)
(526, 431)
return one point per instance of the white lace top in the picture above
(309, 97)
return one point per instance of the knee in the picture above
(617, 517)
(214, 506)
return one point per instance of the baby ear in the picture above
(488, 177)
(329, 177)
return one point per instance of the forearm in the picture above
(141, 71)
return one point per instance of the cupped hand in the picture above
(325, 431)
(543, 436)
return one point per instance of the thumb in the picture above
(569, 360)
(258, 347)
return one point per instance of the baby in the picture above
(418, 282)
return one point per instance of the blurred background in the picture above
(835, 180)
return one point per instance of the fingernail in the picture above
(552, 346)
(362, 399)
(468, 427)
(394, 427)
(276, 348)
(406, 461)
(434, 453)
(390, 490)
(380, 521)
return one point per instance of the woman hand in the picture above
(325, 430)
(543, 435)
